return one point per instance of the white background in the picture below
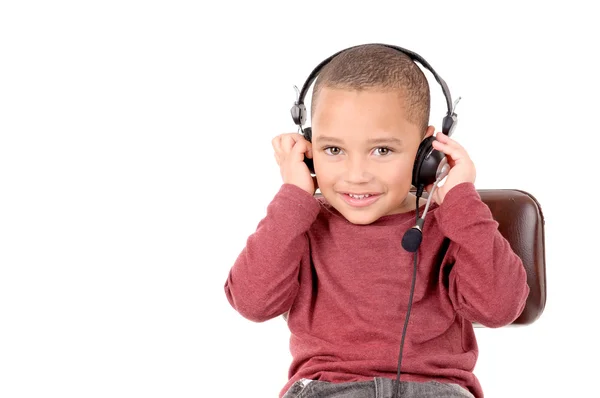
(135, 160)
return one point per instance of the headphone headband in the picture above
(299, 109)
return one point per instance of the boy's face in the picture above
(363, 144)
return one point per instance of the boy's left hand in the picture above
(462, 168)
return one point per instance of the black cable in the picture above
(410, 299)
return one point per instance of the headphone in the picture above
(430, 167)
(428, 161)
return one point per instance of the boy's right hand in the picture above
(290, 149)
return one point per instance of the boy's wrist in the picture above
(457, 193)
(302, 203)
(461, 206)
(456, 202)
(293, 189)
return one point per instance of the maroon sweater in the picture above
(345, 287)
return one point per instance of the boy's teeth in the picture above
(359, 196)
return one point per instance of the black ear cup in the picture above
(307, 133)
(308, 161)
(426, 163)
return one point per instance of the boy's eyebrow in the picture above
(330, 139)
(372, 141)
(387, 140)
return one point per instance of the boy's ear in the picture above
(429, 132)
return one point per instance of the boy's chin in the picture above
(362, 221)
(360, 217)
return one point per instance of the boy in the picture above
(334, 265)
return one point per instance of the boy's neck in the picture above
(408, 204)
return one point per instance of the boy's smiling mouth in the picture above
(360, 199)
(368, 193)
(361, 196)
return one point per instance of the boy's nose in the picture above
(357, 171)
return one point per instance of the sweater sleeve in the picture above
(263, 282)
(488, 282)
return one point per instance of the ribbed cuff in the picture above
(295, 205)
(461, 207)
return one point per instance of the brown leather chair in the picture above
(521, 222)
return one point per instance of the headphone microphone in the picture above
(413, 237)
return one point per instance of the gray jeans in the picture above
(379, 387)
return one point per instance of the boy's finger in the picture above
(302, 148)
(436, 196)
(453, 152)
(293, 139)
(287, 143)
(443, 138)
(276, 143)
(309, 151)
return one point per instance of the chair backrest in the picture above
(521, 222)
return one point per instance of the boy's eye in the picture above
(383, 151)
(332, 150)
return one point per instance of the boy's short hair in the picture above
(373, 66)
